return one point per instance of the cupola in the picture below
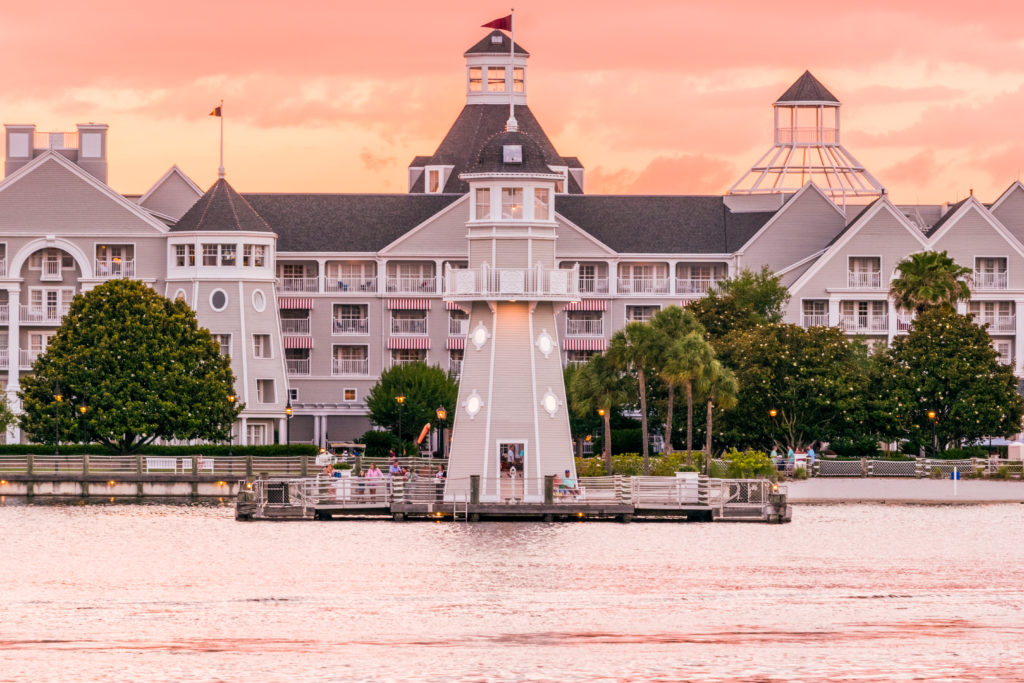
(494, 75)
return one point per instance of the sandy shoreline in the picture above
(905, 491)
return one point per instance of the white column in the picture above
(13, 357)
(243, 433)
(1018, 339)
(316, 430)
(438, 275)
(891, 308)
(321, 285)
(282, 430)
(833, 312)
(613, 278)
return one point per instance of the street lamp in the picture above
(59, 398)
(231, 428)
(442, 415)
(288, 423)
(773, 413)
(400, 399)
(934, 418)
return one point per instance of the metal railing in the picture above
(4, 357)
(584, 328)
(297, 366)
(51, 271)
(861, 323)
(990, 280)
(593, 285)
(807, 135)
(526, 283)
(425, 284)
(644, 285)
(458, 326)
(351, 284)
(698, 285)
(409, 325)
(298, 284)
(863, 279)
(649, 492)
(455, 368)
(113, 269)
(346, 366)
(295, 325)
(818, 320)
(55, 140)
(5, 313)
(28, 357)
(47, 313)
(997, 323)
(3, 267)
(359, 326)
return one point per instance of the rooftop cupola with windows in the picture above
(807, 149)
(493, 74)
(86, 146)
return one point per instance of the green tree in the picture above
(7, 416)
(946, 364)
(929, 279)
(633, 349)
(140, 366)
(741, 302)
(599, 386)
(425, 387)
(672, 323)
(722, 391)
(685, 363)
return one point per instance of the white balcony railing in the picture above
(5, 313)
(815, 320)
(645, 285)
(584, 328)
(51, 271)
(512, 283)
(406, 326)
(57, 140)
(807, 135)
(298, 284)
(351, 326)
(351, 284)
(694, 285)
(47, 314)
(990, 280)
(3, 267)
(114, 269)
(350, 366)
(295, 325)
(5, 355)
(297, 366)
(406, 361)
(863, 280)
(904, 323)
(864, 323)
(997, 323)
(593, 285)
(455, 368)
(28, 357)
(458, 326)
(425, 284)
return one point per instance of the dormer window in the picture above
(512, 202)
(560, 184)
(513, 154)
(433, 180)
(476, 78)
(495, 79)
(496, 39)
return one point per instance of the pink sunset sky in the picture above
(654, 96)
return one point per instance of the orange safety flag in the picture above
(423, 434)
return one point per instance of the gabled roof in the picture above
(486, 46)
(221, 208)
(851, 223)
(344, 222)
(418, 161)
(172, 195)
(661, 224)
(807, 88)
(474, 127)
(945, 217)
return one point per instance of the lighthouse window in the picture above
(495, 79)
(511, 202)
(483, 203)
(476, 78)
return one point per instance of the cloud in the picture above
(919, 169)
(682, 174)
(375, 162)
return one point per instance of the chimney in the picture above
(20, 146)
(92, 149)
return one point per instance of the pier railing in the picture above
(296, 466)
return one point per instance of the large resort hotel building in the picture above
(314, 295)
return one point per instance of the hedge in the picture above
(209, 450)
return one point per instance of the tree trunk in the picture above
(668, 422)
(608, 441)
(708, 441)
(689, 421)
(643, 419)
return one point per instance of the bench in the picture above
(162, 464)
(206, 464)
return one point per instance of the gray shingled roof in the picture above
(486, 46)
(492, 157)
(475, 125)
(221, 208)
(945, 217)
(662, 224)
(807, 88)
(344, 222)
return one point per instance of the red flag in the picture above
(215, 112)
(505, 23)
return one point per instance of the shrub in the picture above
(863, 447)
(799, 473)
(379, 444)
(627, 441)
(749, 465)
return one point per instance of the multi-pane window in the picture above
(350, 360)
(641, 314)
(998, 315)
(579, 357)
(261, 346)
(349, 395)
(541, 204)
(254, 255)
(184, 255)
(865, 272)
(256, 434)
(863, 316)
(406, 356)
(351, 319)
(483, 203)
(228, 255)
(511, 202)
(265, 391)
(990, 273)
(815, 313)
(1004, 351)
(224, 340)
(476, 78)
(209, 254)
(292, 270)
(519, 79)
(495, 79)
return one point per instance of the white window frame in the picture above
(261, 397)
(256, 434)
(355, 395)
(261, 351)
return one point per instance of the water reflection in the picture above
(847, 593)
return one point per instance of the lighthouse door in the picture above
(512, 470)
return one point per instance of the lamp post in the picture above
(231, 428)
(400, 399)
(773, 413)
(442, 415)
(59, 398)
(288, 424)
(934, 418)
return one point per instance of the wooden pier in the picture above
(623, 499)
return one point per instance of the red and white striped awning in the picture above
(455, 306)
(456, 343)
(584, 344)
(298, 342)
(409, 304)
(292, 303)
(686, 302)
(588, 305)
(409, 343)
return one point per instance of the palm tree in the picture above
(685, 363)
(722, 390)
(598, 387)
(673, 323)
(633, 349)
(929, 279)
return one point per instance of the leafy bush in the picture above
(632, 465)
(590, 467)
(378, 443)
(863, 447)
(963, 453)
(1002, 472)
(627, 441)
(749, 465)
(799, 473)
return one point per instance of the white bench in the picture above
(204, 464)
(162, 464)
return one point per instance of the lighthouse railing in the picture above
(487, 281)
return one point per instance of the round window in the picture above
(219, 299)
(259, 301)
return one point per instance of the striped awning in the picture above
(409, 305)
(409, 343)
(456, 343)
(292, 303)
(298, 342)
(456, 306)
(584, 344)
(588, 305)
(686, 302)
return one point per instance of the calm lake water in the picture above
(844, 593)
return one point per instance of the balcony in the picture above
(3, 267)
(412, 285)
(455, 368)
(512, 283)
(297, 366)
(458, 326)
(593, 285)
(50, 314)
(5, 355)
(904, 323)
(359, 367)
(807, 135)
(408, 326)
(694, 285)
(998, 323)
(51, 271)
(295, 326)
(111, 270)
(864, 323)
(5, 313)
(46, 140)
(351, 326)
(584, 328)
(351, 284)
(395, 362)
(990, 280)
(863, 280)
(28, 357)
(645, 285)
(815, 320)
(298, 284)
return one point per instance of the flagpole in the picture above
(512, 125)
(220, 170)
